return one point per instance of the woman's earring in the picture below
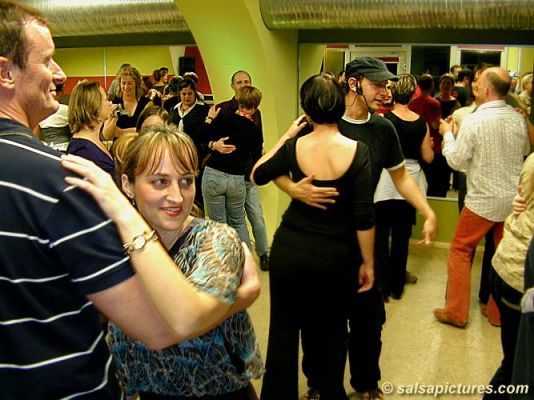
(132, 199)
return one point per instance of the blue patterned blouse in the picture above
(222, 360)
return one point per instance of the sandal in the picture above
(375, 394)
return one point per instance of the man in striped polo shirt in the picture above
(61, 258)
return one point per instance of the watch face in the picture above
(138, 242)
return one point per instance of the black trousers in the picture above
(438, 175)
(394, 219)
(309, 294)
(367, 315)
(508, 301)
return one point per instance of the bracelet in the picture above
(139, 242)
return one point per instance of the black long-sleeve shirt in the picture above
(243, 134)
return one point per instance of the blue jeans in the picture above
(224, 195)
(255, 217)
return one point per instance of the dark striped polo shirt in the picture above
(56, 247)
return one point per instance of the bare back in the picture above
(325, 154)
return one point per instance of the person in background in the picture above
(172, 93)
(430, 109)
(129, 103)
(189, 115)
(223, 186)
(455, 70)
(312, 272)
(152, 115)
(74, 262)
(113, 90)
(525, 97)
(55, 130)
(194, 77)
(253, 208)
(89, 110)
(161, 78)
(394, 215)
(461, 89)
(157, 170)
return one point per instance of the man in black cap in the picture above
(365, 87)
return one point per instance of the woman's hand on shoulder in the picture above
(296, 126)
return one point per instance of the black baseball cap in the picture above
(369, 67)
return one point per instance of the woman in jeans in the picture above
(223, 184)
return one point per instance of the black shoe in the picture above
(264, 262)
(313, 394)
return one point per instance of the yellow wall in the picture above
(527, 60)
(99, 61)
(447, 212)
(231, 36)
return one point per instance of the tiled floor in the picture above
(416, 348)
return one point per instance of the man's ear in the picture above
(6, 71)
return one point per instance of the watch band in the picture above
(139, 242)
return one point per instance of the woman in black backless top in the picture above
(312, 268)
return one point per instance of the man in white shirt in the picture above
(490, 147)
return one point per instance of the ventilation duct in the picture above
(110, 17)
(398, 14)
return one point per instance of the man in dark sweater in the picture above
(365, 84)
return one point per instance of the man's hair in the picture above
(464, 73)
(84, 105)
(500, 86)
(239, 72)
(248, 97)
(174, 84)
(13, 41)
(402, 90)
(454, 67)
(322, 99)
(426, 82)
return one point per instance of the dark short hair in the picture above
(239, 72)
(174, 84)
(402, 90)
(13, 40)
(248, 97)
(426, 82)
(454, 67)
(464, 73)
(188, 83)
(322, 99)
